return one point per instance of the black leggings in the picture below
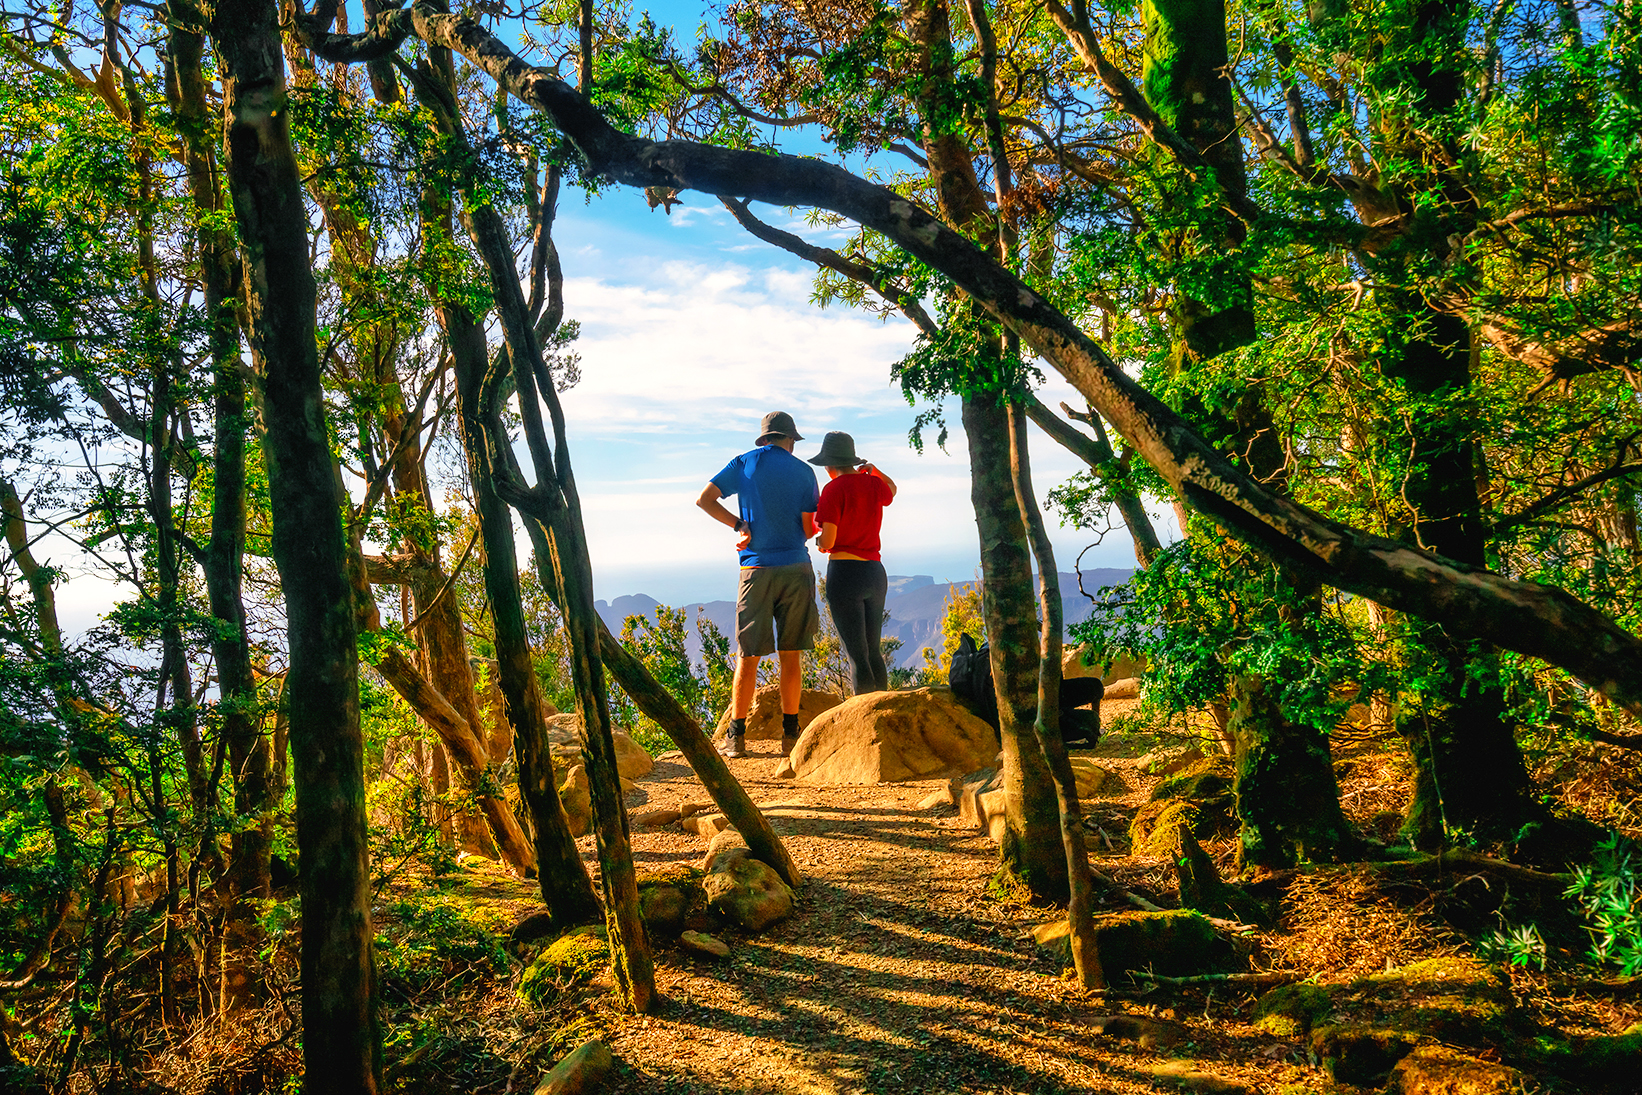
(855, 595)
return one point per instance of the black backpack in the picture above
(971, 678)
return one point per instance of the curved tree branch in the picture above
(1469, 601)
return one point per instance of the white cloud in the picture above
(680, 361)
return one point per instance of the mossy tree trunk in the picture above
(341, 1042)
(1185, 81)
(1469, 772)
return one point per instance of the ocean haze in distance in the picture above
(916, 606)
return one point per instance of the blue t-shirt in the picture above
(775, 488)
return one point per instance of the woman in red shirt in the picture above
(850, 513)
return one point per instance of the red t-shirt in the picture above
(855, 503)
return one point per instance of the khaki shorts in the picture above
(784, 595)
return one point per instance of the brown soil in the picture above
(899, 972)
(902, 970)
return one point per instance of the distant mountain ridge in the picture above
(916, 605)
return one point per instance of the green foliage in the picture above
(1205, 611)
(1521, 946)
(962, 616)
(659, 644)
(718, 668)
(435, 939)
(1609, 891)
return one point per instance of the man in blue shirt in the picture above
(775, 605)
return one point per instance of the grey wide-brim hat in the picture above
(837, 451)
(777, 424)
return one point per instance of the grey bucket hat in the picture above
(777, 424)
(837, 451)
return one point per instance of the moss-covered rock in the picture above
(1174, 943)
(1609, 1058)
(1156, 827)
(1199, 798)
(1439, 1070)
(1362, 1055)
(1610, 1062)
(1292, 1010)
(667, 897)
(1207, 781)
(574, 958)
(1455, 999)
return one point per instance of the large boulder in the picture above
(764, 724)
(891, 737)
(1085, 661)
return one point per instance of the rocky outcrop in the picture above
(891, 737)
(564, 735)
(764, 724)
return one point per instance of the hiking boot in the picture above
(787, 743)
(735, 745)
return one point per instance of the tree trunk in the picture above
(341, 1043)
(1081, 887)
(554, 501)
(1469, 772)
(239, 719)
(1031, 840)
(1186, 83)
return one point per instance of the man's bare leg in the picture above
(792, 680)
(746, 684)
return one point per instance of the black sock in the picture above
(789, 725)
(738, 728)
